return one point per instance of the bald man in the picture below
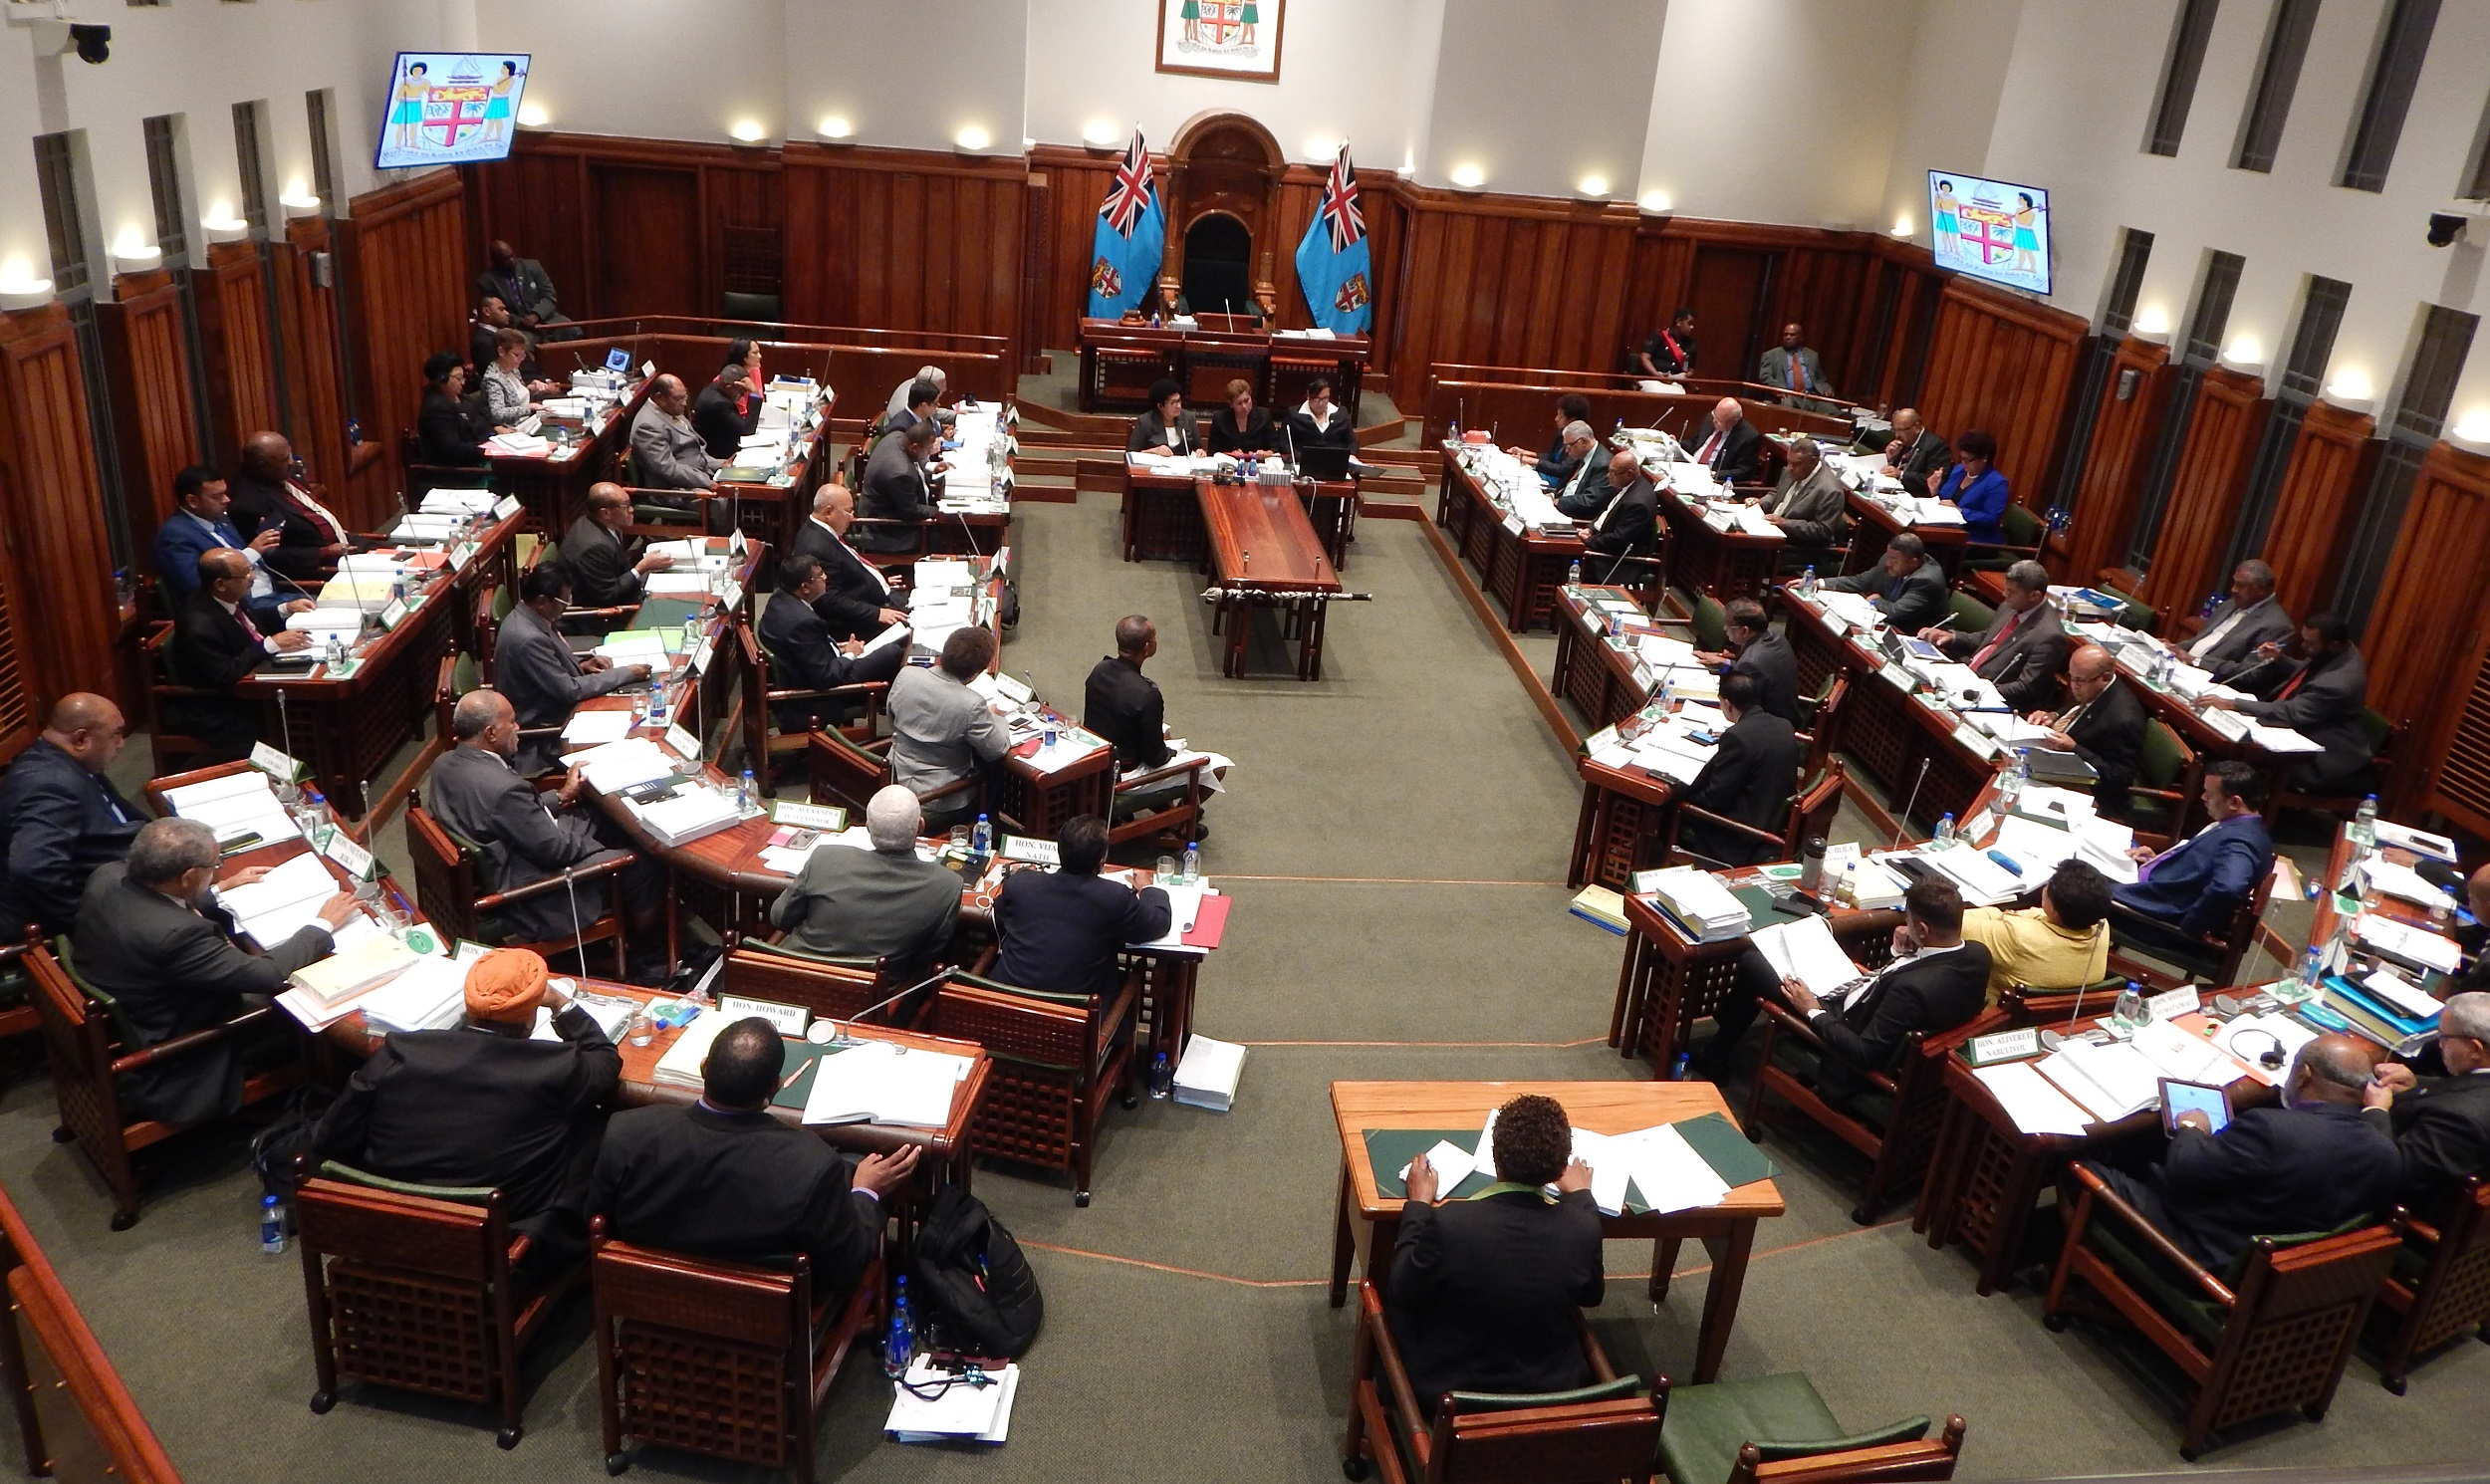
(216, 646)
(269, 493)
(607, 566)
(1631, 523)
(2103, 723)
(1733, 448)
(1914, 456)
(666, 450)
(858, 600)
(59, 817)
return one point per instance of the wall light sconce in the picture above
(1656, 202)
(225, 229)
(532, 116)
(1102, 133)
(1901, 228)
(1591, 188)
(834, 128)
(748, 132)
(2245, 356)
(304, 204)
(2151, 324)
(20, 289)
(1467, 175)
(2350, 391)
(972, 139)
(2473, 433)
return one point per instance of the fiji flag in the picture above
(1334, 268)
(1131, 233)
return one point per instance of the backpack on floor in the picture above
(975, 1293)
(275, 1149)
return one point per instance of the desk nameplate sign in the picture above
(1034, 851)
(351, 856)
(275, 764)
(505, 507)
(808, 816)
(2004, 1046)
(2180, 1001)
(685, 745)
(789, 1019)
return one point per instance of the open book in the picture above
(1803, 949)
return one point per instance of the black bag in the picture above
(975, 1293)
(1009, 603)
(276, 1149)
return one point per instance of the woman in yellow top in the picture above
(2062, 945)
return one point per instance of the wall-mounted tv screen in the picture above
(451, 107)
(1990, 229)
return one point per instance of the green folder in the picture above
(1760, 906)
(1731, 1155)
(666, 613)
(804, 1059)
(1389, 1149)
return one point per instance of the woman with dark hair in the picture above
(450, 429)
(728, 410)
(1976, 487)
(1320, 421)
(1557, 466)
(1240, 427)
(1166, 428)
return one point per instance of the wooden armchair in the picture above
(423, 475)
(1599, 1434)
(765, 742)
(719, 1359)
(2168, 777)
(2212, 958)
(2023, 531)
(1777, 1428)
(171, 751)
(1894, 1124)
(846, 771)
(1706, 623)
(74, 1418)
(1811, 812)
(2026, 1005)
(2439, 1285)
(831, 988)
(1055, 1058)
(86, 1050)
(1823, 716)
(493, 603)
(2272, 1334)
(890, 543)
(1176, 812)
(415, 1286)
(447, 888)
(2384, 739)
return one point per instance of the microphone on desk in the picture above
(1902, 821)
(839, 1037)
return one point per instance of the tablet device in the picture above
(2193, 1097)
(618, 360)
(1923, 649)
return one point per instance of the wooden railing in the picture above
(75, 1420)
(1519, 403)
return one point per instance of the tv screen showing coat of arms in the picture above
(450, 108)
(1990, 229)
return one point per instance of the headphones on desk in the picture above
(2271, 1058)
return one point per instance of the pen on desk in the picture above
(1943, 622)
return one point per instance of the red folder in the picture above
(1208, 923)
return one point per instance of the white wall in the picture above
(908, 75)
(1537, 95)
(662, 68)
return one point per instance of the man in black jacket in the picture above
(607, 567)
(1749, 779)
(2104, 724)
(2309, 1165)
(1914, 456)
(2441, 1125)
(2323, 698)
(1758, 651)
(1484, 1292)
(267, 494)
(1585, 493)
(59, 817)
(897, 487)
(1124, 707)
(1631, 524)
(728, 410)
(1733, 448)
(522, 285)
(724, 1180)
(1060, 931)
(485, 1105)
(803, 655)
(214, 646)
(2023, 646)
(1908, 586)
(858, 600)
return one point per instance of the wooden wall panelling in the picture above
(404, 252)
(645, 271)
(2331, 464)
(1037, 202)
(315, 370)
(905, 240)
(2205, 491)
(2431, 610)
(1077, 182)
(2113, 467)
(232, 295)
(1659, 277)
(53, 522)
(536, 201)
(1536, 283)
(2002, 363)
(146, 361)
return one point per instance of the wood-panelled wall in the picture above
(232, 293)
(52, 519)
(2430, 610)
(2113, 480)
(147, 360)
(2003, 363)
(2205, 491)
(405, 250)
(1509, 283)
(905, 240)
(314, 382)
(2331, 463)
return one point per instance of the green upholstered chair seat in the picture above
(551, 551)
(2159, 761)
(1971, 615)
(466, 1195)
(2136, 615)
(1705, 1426)
(1805, 1063)
(465, 675)
(2376, 727)
(1623, 1386)
(112, 1008)
(796, 951)
(2174, 1291)
(1711, 625)
(2018, 528)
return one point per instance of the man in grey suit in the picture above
(2248, 622)
(667, 451)
(1915, 455)
(2025, 645)
(941, 730)
(2323, 699)
(872, 903)
(1586, 492)
(1908, 586)
(534, 669)
(1756, 650)
(149, 934)
(607, 567)
(1810, 505)
(896, 486)
(526, 837)
(1793, 365)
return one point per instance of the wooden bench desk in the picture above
(1264, 550)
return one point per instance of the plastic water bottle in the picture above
(2364, 823)
(337, 650)
(2018, 772)
(1573, 573)
(1162, 1076)
(899, 1345)
(1192, 863)
(1945, 829)
(1668, 692)
(981, 839)
(2129, 1014)
(692, 634)
(1679, 1070)
(271, 1225)
(656, 704)
(746, 792)
(1806, 583)
(2312, 975)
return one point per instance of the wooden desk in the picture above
(1599, 678)
(771, 509)
(1264, 552)
(1872, 526)
(1162, 522)
(554, 485)
(1120, 362)
(1724, 564)
(1727, 1230)
(1520, 569)
(1889, 733)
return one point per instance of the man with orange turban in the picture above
(485, 1105)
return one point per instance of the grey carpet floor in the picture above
(1394, 837)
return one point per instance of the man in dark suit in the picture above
(1810, 505)
(1733, 448)
(1908, 586)
(1758, 651)
(1484, 1292)
(534, 669)
(268, 494)
(2196, 885)
(722, 1179)
(2023, 646)
(1632, 522)
(522, 284)
(2103, 723)
(1124, 707)
(1749, 779)
(857, 600)
(924, 401)
(1584, 494)
(149, 934)
(607, 567)
(728, 410)
(1915, 455)
(2309, 1165)
(803, 655)
(492, 317)
(1557, 465)
(59, 817)
(896, 488)
(2249, 622)
(2322, 698)
(1060, 931)
(215, 645)
(485, 1105)
(201, 523)
(666, 451)
(882, 903)
(2441, 1124)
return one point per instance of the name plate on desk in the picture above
(2005, 1046)
(732, 595)
(505, 507)
(275, 763)
(789, 1019)
(1644, 882)
(351, 858)
(460, 555)
(393, 614)
(685, 745)
(2180, 1001)
(1513, 525)
(701, 656)
(1034, 851)
(810, 816)
(1600, 740)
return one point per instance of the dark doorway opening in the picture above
(1218, 259)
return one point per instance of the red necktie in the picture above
(2292, 684)
(1797, 373)
(1711, 448)
(1994, 645)
(247, 625)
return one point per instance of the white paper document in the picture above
(1669, 1174)
(1805, 950)
(881, 1081)
(2031, 1100)
(2110, 1082)
(1451, 1163)
(2416, 945)
(957, 1412)
(596, 728)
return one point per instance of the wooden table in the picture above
(1888, 732)
(1520, 567)
(1872, 526)
(1120, 361)
(1604, 681)
(1727, 1230)
(1264, 552)
(1724, 564)
(554, 485)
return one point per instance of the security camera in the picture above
(95, 43)
(2445, 228)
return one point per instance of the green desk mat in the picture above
(1760, 906)
(1730, 1154)
(666, 613)
(804, 1059)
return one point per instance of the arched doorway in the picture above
(1218, 264)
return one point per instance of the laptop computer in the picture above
(1325, 461)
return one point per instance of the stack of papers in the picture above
(881, 1081)
(2280, 739)
(1654, 1164)
(671, 584)
(235, 806)
(1803, 949)
(591, 729)
(1982, 881)
(1207, 1076)
(680, 1065)
(691, 813)
(2402, 882)
(2419, 841)
(958, 1412)
(1700, 905)
(2176, 1053)
(364, 594)
(430, 995)
(2109, 1082)
(281, 903)
(367, 964)
(617, 766)
(1875, 887)
(2413, 945)
(449, 501)
(2035, 1104)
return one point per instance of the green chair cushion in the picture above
(2171, 1290)
(1971, 615)
(470, 1195)
(2158, 765)
(2377, 728)
(1049, 996)
(551, 551)
(1704, 1426)
(2019, 526)
(503, 602)
(1711, 625)
(466, 675)
(796, 951)
(1465, 1402)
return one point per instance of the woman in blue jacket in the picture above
(1975, 487)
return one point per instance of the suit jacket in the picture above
(1776, 671)
(1060, 931)
(1929, 994)
(803, 657)
(2110, 735)
(2327, 696)
(1123, 705)
(1334, 433)
(866, 903)
(528, 291)
(259, 504)
(479, 798)
(895, 489)
(535, 670)
(602, 565)
(1149, 432)
(179, 543)
(1632, 522)
(1258, 436)
(2262, 623)
(58, 824)
(2025, 667)
(2443, 1130)
(1818, 507)
(1557, 465)
(1928, 457)
(1484, 1292)
(1585, 492)
(724, 415)
(1982, 501)
(852, 604)
(1740, 457)
(2273, 1171)
(1671, 363)
(211, 651)
(1910, 601)
(1750, 780)
(466, 1106)
(941, 730)
(2200, 882)
(1773, 369)
(450, 432)
(175, 969)
(738, 1188)
(668, 454)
